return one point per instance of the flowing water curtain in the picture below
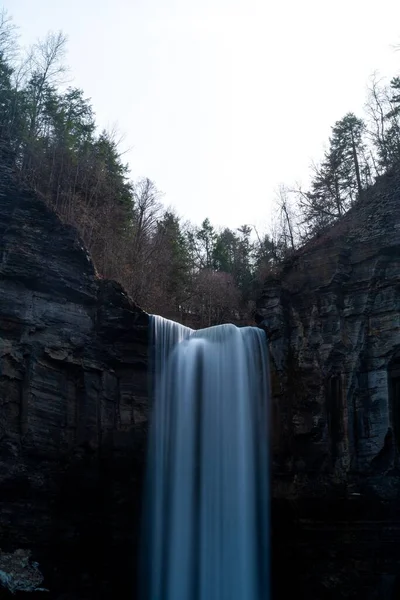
(207, 529)
(164, 335)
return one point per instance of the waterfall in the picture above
(206, 529)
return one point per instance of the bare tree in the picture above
(46, 68)
(376, 108)
(144, 245)
(286, 218)
(215, 298)
(147, 209)
(8, 37)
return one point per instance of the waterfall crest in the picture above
(206, 501)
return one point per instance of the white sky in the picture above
(221, 101)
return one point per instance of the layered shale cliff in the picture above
(333, 320)
(73, 398)
(73, 415)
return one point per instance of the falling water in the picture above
(206, 503)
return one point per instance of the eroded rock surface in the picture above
(19, 574)
(333, 319)
(73, 404)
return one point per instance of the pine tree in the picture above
(201, 241)
(347, 149)
(340, 178)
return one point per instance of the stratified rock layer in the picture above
(333, 320)
(73, 404)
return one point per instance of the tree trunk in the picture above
(356, 166)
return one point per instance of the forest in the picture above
(197, 274)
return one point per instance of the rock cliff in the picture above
(73, 418)
(333, 320)
(73, 397)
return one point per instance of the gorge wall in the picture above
(333, 320)
(73, 396)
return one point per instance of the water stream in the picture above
(206, 521)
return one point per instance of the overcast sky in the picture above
(221, 101)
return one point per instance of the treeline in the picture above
(359, 151)
(199, 275)
(195, 274)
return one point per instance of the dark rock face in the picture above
(333, 320)
(73, 398)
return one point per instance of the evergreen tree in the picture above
(6, 99)
(347, 150)
(176, 271)
(223, 258)
(388, 143)
(201, 241)
(340, 179)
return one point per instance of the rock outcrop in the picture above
(333, 320)
(73, 417)
(73, 397)
(19, 574)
